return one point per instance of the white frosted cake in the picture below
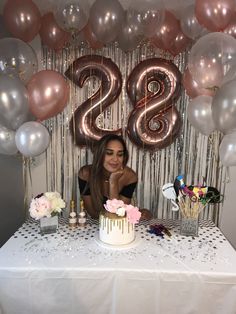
(115, 230)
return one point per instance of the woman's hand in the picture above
(115, 176)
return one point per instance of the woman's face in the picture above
(114, 156)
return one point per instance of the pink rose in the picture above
(112, 205)
(133, 214)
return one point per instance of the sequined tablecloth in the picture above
(71, 271)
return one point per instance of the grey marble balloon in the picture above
(17, 59)
(14, 107)
(7, 141)
(227, 150)
(32, 139)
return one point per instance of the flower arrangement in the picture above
(121, 209)
(46, 205)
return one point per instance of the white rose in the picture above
(120, 211)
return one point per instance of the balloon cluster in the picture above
(209, 78)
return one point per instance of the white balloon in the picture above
(199, 113)
(228, 150)
(14, 105)
(32, 139)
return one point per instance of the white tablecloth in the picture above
(71, 272)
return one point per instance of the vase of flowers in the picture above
(45, 207)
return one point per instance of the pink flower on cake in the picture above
(133, 214)
(114, 204)
(121, 209)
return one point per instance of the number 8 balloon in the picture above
(154, 123)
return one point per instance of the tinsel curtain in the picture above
(193, 155)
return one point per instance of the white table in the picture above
(71, 272)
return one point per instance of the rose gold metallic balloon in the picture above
(52, 34)
(92, 40)
(179, 44)
(214, 15)
(83, 124)
(167, 33)
(154, 122)
(48, 94)
(22, 19)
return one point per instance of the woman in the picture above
(108, 177)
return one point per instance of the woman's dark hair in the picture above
(96, 175)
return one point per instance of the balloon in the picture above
(17, 59)
(192, 88)
(210, 58)
(151, 15)
(167, 33)
(230, 75)
(51, 34)
(224, 107)
(154, 123)
(22, 19)
(91, 38)
(45, 6)
(179, 44)
(32, 139)
(7, 141)
(227, 149)
(14, 107)
(214, 15)
(130, 34)
(3, 31)
(199, 114)
(83, 123)
(106, 18)
(71, 15)
(231, 28)
(48, 94)
(189, 23)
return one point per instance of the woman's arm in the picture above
(122, 185)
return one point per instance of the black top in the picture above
(126, 191)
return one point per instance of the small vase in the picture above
(189, 226)
(48, 225)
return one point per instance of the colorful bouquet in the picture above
(121, 209)
(46, 205)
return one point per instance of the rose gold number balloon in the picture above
(83, 124)
(154, 122)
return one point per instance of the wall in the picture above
(228, 218)
(11, 196)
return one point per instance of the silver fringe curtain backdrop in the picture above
(193, 155)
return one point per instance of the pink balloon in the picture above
(179, 44)
(192, 88)
(22, 19)
(231, 28)
(91, 38)
(51, 34)
(167, 33)
(48, 94)
(215, 15)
